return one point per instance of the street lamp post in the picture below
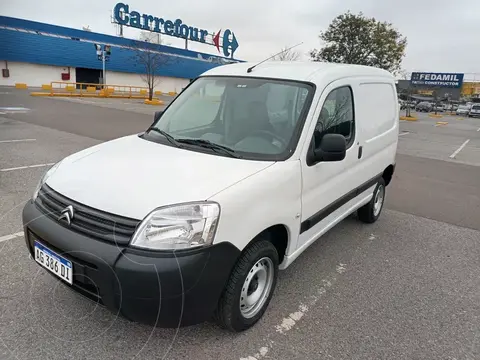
(103, 54)
(103, 69)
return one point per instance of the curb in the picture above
(153, 102)
(408, 118)
(438, 116)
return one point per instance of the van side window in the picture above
(336, 116)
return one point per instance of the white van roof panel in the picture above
(297, 70)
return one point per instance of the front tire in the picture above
(370, 212)
(250, 287)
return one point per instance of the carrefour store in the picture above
(37, 53)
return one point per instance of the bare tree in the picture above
(404, 75)
(287, 55)
(152, 61)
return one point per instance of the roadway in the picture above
(406, 287)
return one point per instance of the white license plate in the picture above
(53, 262)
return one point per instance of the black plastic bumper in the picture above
(162, 289)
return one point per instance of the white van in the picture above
(243, 171)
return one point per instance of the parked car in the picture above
(195, 216)
(463, 110)
(424, 106)
(406, 104)
(437, 108)
(474, 111)
(450, 107)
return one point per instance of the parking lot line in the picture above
(17, 140)
(11, 236)
(459, 149)
(478, 129)
(404, 133)
(25, 167)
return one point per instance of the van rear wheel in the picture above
(370, 212)
(250, 287)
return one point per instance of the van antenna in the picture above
(249, 70)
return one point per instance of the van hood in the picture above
(131, 176)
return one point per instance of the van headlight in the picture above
(180, 226)
(44, 179)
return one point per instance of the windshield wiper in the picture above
(169, 137)
(210, 145)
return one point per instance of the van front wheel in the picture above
(250, 287)
(370, 212)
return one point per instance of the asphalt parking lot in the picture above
(406, 287)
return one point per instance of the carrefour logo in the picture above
(124, 16)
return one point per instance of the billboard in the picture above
(451, 80)
(123, 15)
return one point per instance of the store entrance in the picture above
(91, 76)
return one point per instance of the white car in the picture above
(463, 110)
(239, 175)
(474, 111)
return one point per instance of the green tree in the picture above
(356, 39)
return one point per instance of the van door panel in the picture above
(326, 182)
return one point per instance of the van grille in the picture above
(86, 220)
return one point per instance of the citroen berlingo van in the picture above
(193, 218)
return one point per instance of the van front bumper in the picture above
(151, 287)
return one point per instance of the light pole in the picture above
(103, 54)
(103, 69)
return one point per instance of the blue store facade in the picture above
(35, 53)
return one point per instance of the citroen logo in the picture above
(67, 214)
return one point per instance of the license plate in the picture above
(53, 262)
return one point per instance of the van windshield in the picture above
(255, 118)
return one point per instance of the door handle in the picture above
(360, 151)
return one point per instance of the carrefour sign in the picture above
(452, 80)
(125, 16)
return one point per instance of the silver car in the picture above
(463, 110)
(474, 111)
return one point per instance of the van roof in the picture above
(297, 70)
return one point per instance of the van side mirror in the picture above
(333, 147)
(157, 115)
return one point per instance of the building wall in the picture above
(427, 91)
(38, 43)
(164, 83)
(33, 74)
(471, 88)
